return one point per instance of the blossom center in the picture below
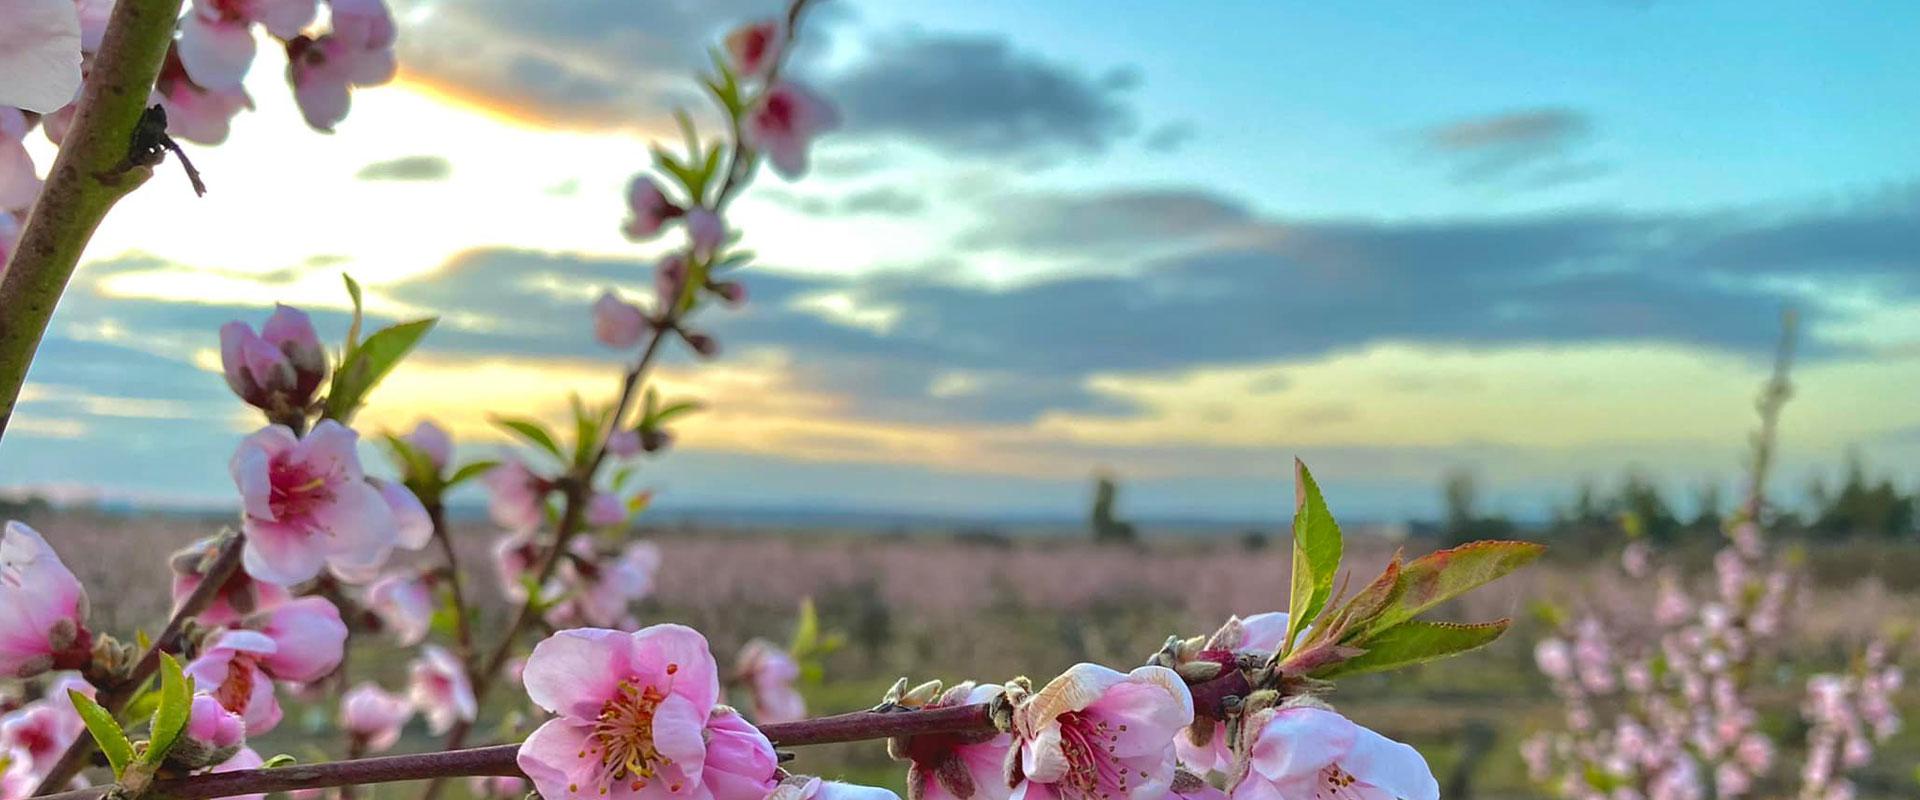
(296, 491)
(1337, 784)
(779, 113)
(236, 692)
(622, 737)
(1093, 772)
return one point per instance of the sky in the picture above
(1181, 242)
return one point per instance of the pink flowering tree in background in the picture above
(1667, 704)
(591, 700)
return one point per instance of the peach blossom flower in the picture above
(754, 47)
(213, 734)
(617, 323)
(440, 689)
(404, 604)
(39, 731)
(632, 711)
(432, 441)
(1303, 751)
(705, 230)
(43, 607)
(741, 764)
(769, 673)
(807, 787)
(19, 182)
(1095, 733)
(239, 596)
(650, 208)
(784, 123)
(373, 716)
(230, 671)
(958, 766)
(516, 496)
(308, 504)
(309, 639)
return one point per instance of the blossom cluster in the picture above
(48, 46)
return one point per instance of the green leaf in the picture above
(363, 366)
(672, 410)
(412, 461)
(1316, 553)
(806, 630)
(535, 434)
(1415, 642)
(1436, 577)
(107, 733)
(471, 469)
(176, 703)
(353, 329)
(278, 761)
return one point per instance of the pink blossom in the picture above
(1097, 733)
(19, 182)
(39, 54)
(517, 498)
(755, 47)
(632, 709)
(650, 208)
(432, 441)
(1203, 746)
(198, 114)
(624, 443)
(958, 766)
(41, 730)
(404, 604)
(605, 510)
(1554, 659)
(239, 596)
(9, 234)
(740, 762)
(440, 689)
(216, 38)
(43, 607)
(616, 322)
(357, 52)
(1310, 752)
(770, 673)
(230, 671)
(308, 504)
(806, 787)
(373, 716)
(705, 230)
(784, 123)
(604, 588)
(309, 639)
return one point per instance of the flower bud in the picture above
(650, 208)
(373, 716)
(654, 440)
(290, 331)
(624, 443)
(669, 281)
(616, 322)
(705, 345)
(212, 736)
(705, 230)
(432, 441)
(733, 293)
(753, 48)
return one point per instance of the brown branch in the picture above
(115, 698)
(91, 173)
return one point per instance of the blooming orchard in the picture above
(627, 709)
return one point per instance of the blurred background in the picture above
(1029, 352)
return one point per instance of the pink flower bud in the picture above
(432, 441)
(706, 231)
(404, 604)
(669, 281)
(624, 443)
(755, 47)
(373, 716)
(617, 323)
(650, 208)
(517, 497)
(733, 293)
(705, 345)
(212, 726)
(605, 509)
(440, 689)
(784, 123)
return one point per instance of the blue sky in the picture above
(1184, 242)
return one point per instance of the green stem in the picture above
(88, 177)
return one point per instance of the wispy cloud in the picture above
(1533, 148)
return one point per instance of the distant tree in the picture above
(1640, 497)
(1107, 528)
(1706, 503)
(1862, 506)
(23, 506)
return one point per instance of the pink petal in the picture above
(39, 54)
(1264, 631)
(279, 554)
(284, 19)
(677, 732)
(309, 637)
(216, 54)
(414, 527)
(1294, 744)
(551, 758)
(677, 656)
(19, 184)
(1395, 767)
(574, 672)
(1145, 712)
(740, 762)
(359, 529)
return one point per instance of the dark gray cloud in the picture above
(1105, 221)
(407, 168)
(1170, 137)
(1532, 148)
(979, 95)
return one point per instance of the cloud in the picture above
(1533, 148)
(407, 168)
(978, 95)
(1170, 137)
(885, 201)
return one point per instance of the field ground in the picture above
(983, 607)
